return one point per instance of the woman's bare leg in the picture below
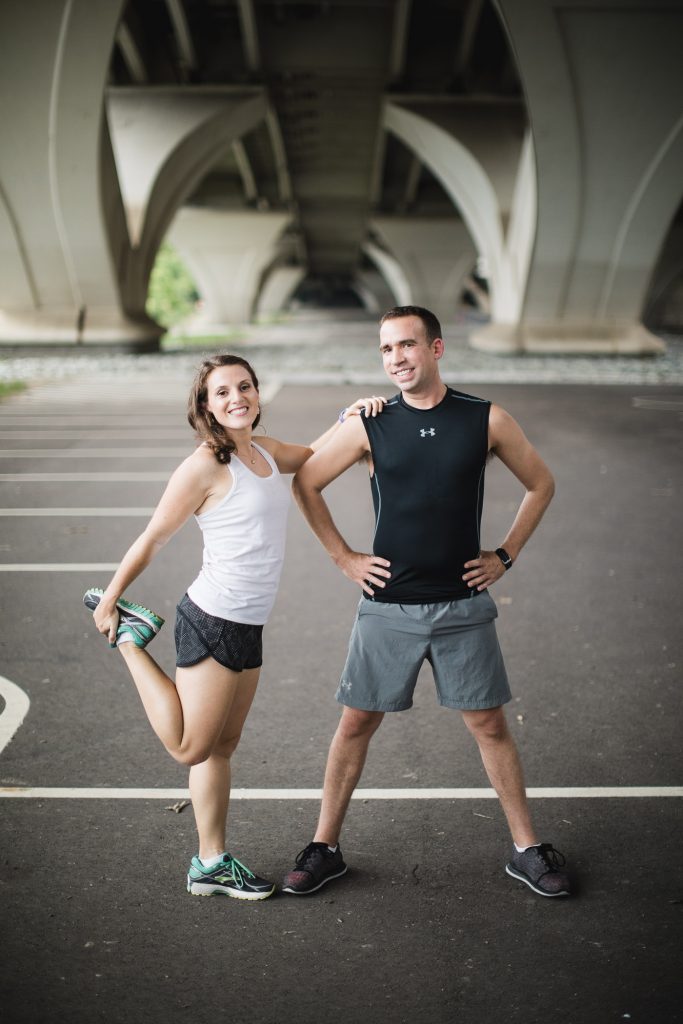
(188, 717)
(210, 780)
(158, 695)
(199, 720)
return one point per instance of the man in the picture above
(425, 586)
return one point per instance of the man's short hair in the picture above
(431, 323)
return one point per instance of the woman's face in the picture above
(232, 397)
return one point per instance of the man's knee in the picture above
(355, 724)
(488, 725)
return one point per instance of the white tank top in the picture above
(244, 546)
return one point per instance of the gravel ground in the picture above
(329, 350)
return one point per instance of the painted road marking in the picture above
(98, 392)
(95, 435)
(16, 707)
(95, 453)
(563, 793)
(658, 404)
(81, 512)
(140, 420)
(59, 567)
(82, 478)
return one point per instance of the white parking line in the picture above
(102, 393)
(59, 567)
(83, 478)
(140, 420)
(82, 513)
(560, 793)
(16, 707)
(95, 435)
(96, 453)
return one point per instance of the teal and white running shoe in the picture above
(227, 878)
(136, 623)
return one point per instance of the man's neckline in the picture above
(423, 408)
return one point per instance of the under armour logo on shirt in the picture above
(429, 432)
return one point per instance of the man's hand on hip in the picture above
(484, 571)
(367, 571)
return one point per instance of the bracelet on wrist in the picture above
(342, 415)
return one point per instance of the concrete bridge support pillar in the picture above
(227, 253)
(165, 140)
(493, 190)
(85, 199)
(596, 80)
(278, 287)
(59, 282)
(436, 256)
(374, 285)
(392, 272)
(665, 295)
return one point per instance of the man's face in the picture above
(410, 361)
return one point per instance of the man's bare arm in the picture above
(508, 442)
(346, 447)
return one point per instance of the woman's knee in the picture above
(197, 751)
(226, 746)
(193, 751)
(190, 755)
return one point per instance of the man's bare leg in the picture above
(345, 763)
(504, 769)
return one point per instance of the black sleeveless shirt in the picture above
(428, 491)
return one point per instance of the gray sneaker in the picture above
(539, 868)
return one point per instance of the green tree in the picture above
(172, 292)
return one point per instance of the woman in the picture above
(234, 488)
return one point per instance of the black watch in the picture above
(504, 557)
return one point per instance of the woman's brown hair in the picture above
(201, 420)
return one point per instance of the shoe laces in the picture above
(309, 857)
(140, 629)
(552, 857)
(238, 870)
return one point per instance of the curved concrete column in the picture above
(374, 291)
(642, 228)
(603, 86)
(164, 141)
(227, 253)
(277, 288)
(469, 186)
(60, 280)
(436, 256)
(392, 272)
(367, 297)
(664, 304)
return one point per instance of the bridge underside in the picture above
(523, 153)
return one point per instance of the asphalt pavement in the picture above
(426, 926)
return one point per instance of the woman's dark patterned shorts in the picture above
(198, 635)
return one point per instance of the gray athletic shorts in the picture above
(390, 642)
